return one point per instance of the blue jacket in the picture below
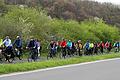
(18, 43)
(87, 45)
(117, 44)
(31, 44)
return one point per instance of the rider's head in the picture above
(88, 41)
(18, 37)
(79, 41)
(38, 40)
(63, 39)
(7, 37)
(31, 38)
(69, 40)
(52, 41)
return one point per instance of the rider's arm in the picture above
(84, 45)
(71, 44)
(28, 45)
(20, 44)
(14, 42)
(10, 43)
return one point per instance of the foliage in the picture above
(3, 7)
(82, 9)
(22, 22)
(31, 22)
(76, 9)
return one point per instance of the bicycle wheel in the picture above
(29, 57)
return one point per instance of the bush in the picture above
(31, 22)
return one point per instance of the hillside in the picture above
(31, 22)
(76, 9)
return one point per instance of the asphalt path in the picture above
(105, 70)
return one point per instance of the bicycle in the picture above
(51, 53)
(9, 54)
(18, 53)
(32, 55)
(63, 53)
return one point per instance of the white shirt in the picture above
(7, 42)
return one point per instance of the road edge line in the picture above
(58, 67)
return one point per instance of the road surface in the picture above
(105, 70)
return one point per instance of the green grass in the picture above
(20, 67)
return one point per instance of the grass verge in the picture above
(20, 67)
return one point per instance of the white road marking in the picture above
(59, 67)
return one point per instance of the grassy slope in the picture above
(10, 68)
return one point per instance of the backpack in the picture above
(79, 45)
(87, 45)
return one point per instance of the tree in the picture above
(2, 7)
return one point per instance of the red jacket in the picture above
(63, 44)
(101, 45)
(106, 45)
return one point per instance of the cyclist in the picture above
(8, 44)
(69, 47)
(63, 46)
(73, 48)
(107, 46)
(96, 48)
(38, 47)
(101, 46)
(18, 47)
(33, 51)
(87, 48)
(52, 47)
(110, 47)
(91, 46)
(8, 49)
(79, 47)
(117, 46)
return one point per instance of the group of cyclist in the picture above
(34, 46)
(11, 50)
(70, 48)
(66, 48)
(7, 48)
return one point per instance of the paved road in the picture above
(108, 70)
